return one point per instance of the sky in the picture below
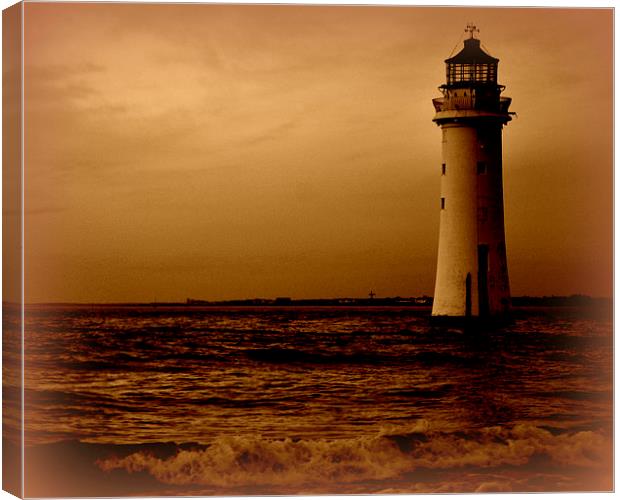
(222, 151)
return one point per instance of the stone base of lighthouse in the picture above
(472, 276)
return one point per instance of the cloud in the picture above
(55, 85)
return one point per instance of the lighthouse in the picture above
(472, 273)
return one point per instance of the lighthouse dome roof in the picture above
(472, 53)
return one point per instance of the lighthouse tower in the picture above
(472, 275)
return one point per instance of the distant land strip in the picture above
(423, 301)
(554, 300)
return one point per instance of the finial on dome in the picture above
(471, 29)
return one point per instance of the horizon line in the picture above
(284, 300)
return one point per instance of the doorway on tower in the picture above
(468, 295)
(483, 288)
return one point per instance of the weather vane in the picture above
(471, 29)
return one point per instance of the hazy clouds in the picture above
(210, 151)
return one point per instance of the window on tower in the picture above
(443, 203)
(443, 169)
(471, 73)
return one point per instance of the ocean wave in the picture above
(280, 355)
(391, 454)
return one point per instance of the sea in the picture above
(188, 400)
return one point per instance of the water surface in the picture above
(199, 401)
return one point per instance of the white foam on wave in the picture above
(234, 461)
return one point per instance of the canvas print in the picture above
(306, 249)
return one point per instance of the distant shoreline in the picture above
(414, 302)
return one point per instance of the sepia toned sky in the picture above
(221, 151)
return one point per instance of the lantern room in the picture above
(471, 66)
